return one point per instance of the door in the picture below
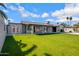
(53, 29)
(23, 29)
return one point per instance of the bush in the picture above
(70, 31)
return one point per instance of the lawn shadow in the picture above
(47, 54)
(30, 50)
(22, 45)
(13, 48)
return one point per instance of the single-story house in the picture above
(33, 28)
(71, 29)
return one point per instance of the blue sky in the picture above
(41, 12)
(35, 8)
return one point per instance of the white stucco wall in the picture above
(2, 32)
(11, 26)
(68, 30)
(59, 28)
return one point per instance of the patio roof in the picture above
(72, 27)
(36, 23)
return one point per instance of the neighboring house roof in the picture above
(14, 23)
(72, 27)
(36, 23)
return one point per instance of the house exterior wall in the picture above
(24, 29)
(68, 30)
(71, 29)
(38, 29)
(32, 28)
(2, 32)
(27, 29)
(60, 28)
(14, 29)
(76, 29)
(43, 29)
(49, 29)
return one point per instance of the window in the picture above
(14, 29)
(29, 27)
(17, 30)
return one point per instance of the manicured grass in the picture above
(42, 45)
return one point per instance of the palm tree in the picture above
(69, 18)
(2, 13)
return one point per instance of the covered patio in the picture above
(38, 29)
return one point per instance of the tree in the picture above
(67, 18)
(64, 24)
(2, 13)
(76, 24)
(48, 22)
(70, 19)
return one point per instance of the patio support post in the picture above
(32, 29)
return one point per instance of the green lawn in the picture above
(42, 45)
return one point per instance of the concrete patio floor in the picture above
(75, 33)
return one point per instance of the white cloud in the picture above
(26, 13)
(34, 15)
(75, 19)
(23, 12)
(11, 20)
(61, 20)
(19, 9)
(11, 7)
(44, 15)
(58, 13)
(7, 21)
(6, 11)
(69, 10)
(51, 20)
